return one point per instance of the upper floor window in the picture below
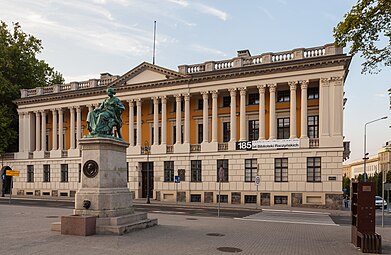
(200, 104)
(226, 131)
(200, 133)
(313, 126)
(253, 99)
(253, 130)
(283, 128)
(313, 93)
(226, 101)
(283, 96)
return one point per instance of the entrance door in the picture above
(5, 184)
(147, 179)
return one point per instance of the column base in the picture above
(182, 148)
(22, 155)
(209, 147)
(304, 142)
(232, 146)
(133, 150)
(39, 154)
(158, 149)
(74, 153)
(55, 154)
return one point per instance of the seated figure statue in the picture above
(103, 119)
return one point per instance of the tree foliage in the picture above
(367, 26)
(19, 69)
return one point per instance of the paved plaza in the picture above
(26, 230)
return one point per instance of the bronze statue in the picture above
(103, 119)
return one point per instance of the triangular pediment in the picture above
(145, 73)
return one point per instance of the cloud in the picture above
(267, 13)
(211, 11)
(381, 95)
(206, 50)
(180, 2)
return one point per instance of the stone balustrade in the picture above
(265, 58)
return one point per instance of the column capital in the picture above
(214, 93)
(304, 84)
(337, 80)
(261, 88)
(292, 85)
(243, 91)
(186, 96)
(272, 87)
(71, 108)
(325, 82)
(78, 109)
(36, 112)
(205, 95)
(138, 101)
(155, 99)
(163, 99)
(130, 101)
(41, 111)
(178, 97)
(232, 91)
(204, 92)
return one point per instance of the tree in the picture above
(19, 69)
(368, 27)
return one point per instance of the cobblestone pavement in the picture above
(26, 230)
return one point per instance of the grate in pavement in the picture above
(215, 234)
(191, 219)
(229, 249)
(52, 216)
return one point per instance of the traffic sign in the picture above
(177, 179)
(12, 173)
(257, 180)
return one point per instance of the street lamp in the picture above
(365, 146)
(147, 151)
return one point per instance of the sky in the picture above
(83, 38)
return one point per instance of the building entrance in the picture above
(147, 179)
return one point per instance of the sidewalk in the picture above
(342, 212)
(26, 230)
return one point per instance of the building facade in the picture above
(275, 115)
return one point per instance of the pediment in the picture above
(146, 73)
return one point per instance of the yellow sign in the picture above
(11, 173)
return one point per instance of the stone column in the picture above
(272, 109)
(60, 129)
(37, 131)
(72, 128)
(232, 93)
(138, 105)
(205, 122)
(21, 129)
(214, 116)
(261, 90)
(292, 111)
(324, 112)
(178, 99)
(303, 121)
(54, 130)
(131, 122)
(43, 129)
(164, 120)
(243, 133)
(78, 125)
(337, 106)
(90, 109)
(187, 118)
(26, 131)
(155, 120)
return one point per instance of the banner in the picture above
(268, 144)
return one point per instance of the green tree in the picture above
(367, 26)
(19, 69)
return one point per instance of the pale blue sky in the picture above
(82, 39)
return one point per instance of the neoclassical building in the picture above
(278, 116)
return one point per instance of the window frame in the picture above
(64, 174)
(314, 169)
(281, 170)
(169, 171)
(250, 169)
(46, 173)
(30, 173)
(226, 132)
(253, 99)
(313, 93)
(283, 96)
(283, 132)
(313, 129)
(253, 130)
(196, 170)
(225, 164)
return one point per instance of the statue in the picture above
(103, 119)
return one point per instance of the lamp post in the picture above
(365, 146)
(147, 151)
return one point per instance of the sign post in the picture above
(257, 182)
(177, 181)
(11, 173)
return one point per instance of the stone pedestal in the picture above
(104, 192)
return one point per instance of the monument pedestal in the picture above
(104, 192)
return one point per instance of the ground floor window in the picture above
(280, 200)
(281, 170)
(46, 173)
(196, 171)
(222, 170)
(223, 198)
(313, 169)
(64, 172)
(250, 199)
(168, 171)
(30, 173)
(250, 170)
(195, 198)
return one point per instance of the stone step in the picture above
(125, 228)
(120, 220)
